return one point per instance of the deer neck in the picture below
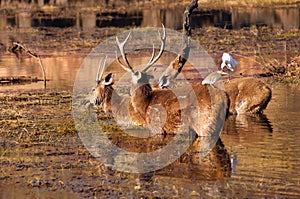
(141, 98)
(110, 95)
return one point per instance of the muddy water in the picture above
(257, 156)
(61, 70)
(265, 148)
(235, 17)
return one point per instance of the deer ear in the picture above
(108, 80)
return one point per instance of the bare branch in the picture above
(17, 45)
(188, 11)
(177, 64)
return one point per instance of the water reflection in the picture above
(60, 69)
(258, 157)
(215, 166)
(285, 18)
(205, 159)
(237, 124)
(282, 17)
(264, 147)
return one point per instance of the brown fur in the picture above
(161, 110)
(160, 107)
(114, 104)
(202, 115)
(142, 97)
(247, 95)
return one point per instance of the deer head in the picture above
(141, 90)
(103, 86)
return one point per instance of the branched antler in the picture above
(152, 60)
(162, 47)
(121, 45)
(101, 69)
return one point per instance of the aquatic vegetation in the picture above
(36, 117)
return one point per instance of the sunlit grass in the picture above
(36, 117)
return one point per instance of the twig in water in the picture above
(19, 49)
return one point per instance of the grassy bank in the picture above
(36, 117)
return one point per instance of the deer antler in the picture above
(101, 69)
(153, 59)
(162, 47)
(121, 45)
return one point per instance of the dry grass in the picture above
(36, 117)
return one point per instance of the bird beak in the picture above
(224, 73)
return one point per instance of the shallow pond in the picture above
(60, 68)
(257, 156)
(265, 149)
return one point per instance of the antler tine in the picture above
(121, 48)
(163, 42)
(101, 69)
(128, 69)
(153, 53)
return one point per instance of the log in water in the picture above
(18, 80)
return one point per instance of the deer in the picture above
(201, 107)
(247, 95)
(104, 94)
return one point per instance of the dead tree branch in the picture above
(19, 48)
(177, 64)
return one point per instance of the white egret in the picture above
(229, 62)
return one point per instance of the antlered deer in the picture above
(200, 107)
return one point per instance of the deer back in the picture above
(200, 107)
